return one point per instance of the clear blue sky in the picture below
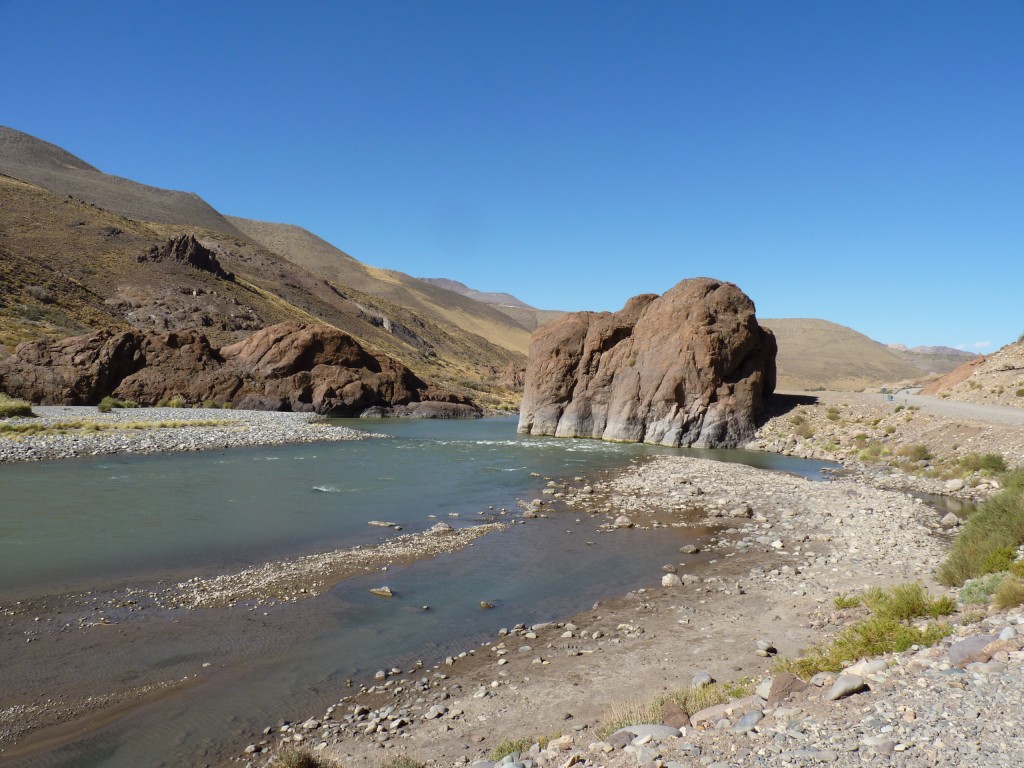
(860, 162)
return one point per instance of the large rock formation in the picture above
(291, 367)
(688, 368)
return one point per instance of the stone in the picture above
(384, 591)
(783, 686)
(673, 715)
(691, 367)
(846, 685)
(623, 522)
(749, 721)
(954, 485)
(671, 580)
(970, 649)
(562, 743)
(654, 730)
(701, 679)
(949, 521)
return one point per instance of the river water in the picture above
(102, 524)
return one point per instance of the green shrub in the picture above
(993, 462)
(989, 535)
(1020, 393)
(1010, 593)
(12, 406)
(108, 403)
(886, 630)
(979, 591)
(178, 401)
(846, 601)
(903, 602)
(797, 419)
(915, 452)
(804, 430)
(873, 452)
(832, 414)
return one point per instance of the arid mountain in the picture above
(487, 297)
(996, 379)
(932, 360)
(521, 313)
(816, 354)
(425, 300)
(38, 162)
(69, 265)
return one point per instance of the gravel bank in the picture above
(224, 429)
(785, 547)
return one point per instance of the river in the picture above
(102, 524)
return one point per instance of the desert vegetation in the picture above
(11, 407)
(887, 628)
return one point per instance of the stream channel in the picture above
(93, 527)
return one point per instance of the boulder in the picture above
(690, 367)
(286, 367)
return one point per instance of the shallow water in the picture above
(90, 524)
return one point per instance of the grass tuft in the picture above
(989, 535)
(1010, 593)
(886, 630)
(11, 407)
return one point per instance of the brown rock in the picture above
(784, 685)
(291, 366)
(674, 715)
(688, 368)
(188, 250)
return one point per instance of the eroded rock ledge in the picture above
(286, 367)
(689, 368)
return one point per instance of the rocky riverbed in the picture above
(784, 548)
(66, 432)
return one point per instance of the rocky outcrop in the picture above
(286, 367)
(187, 250)
(689, 368)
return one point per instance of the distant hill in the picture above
(818, 354)
(506, 299)
(38, 162)
(932, 360)
(522, 313)
(996, 379)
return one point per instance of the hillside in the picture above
(932, 360)
(70, 265)
(996, 379)
(817, 354)
(487, 297)
(38, 162)
(428, 301)
(521, 313)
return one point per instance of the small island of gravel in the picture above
(66, 432)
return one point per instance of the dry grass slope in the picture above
(818, 354)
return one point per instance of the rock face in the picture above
(689, 368)
(286, 367)
(188, 250)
